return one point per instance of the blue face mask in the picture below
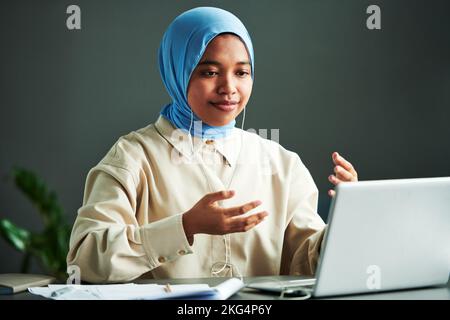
(181, 49)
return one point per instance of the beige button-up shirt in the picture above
(130, 224)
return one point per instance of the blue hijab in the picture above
(181, 49)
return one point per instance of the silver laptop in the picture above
(382, 235)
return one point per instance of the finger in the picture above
(331, 193)
(334, 180)
(236, 211)
(343, 174)
(243, 221)
(251, 226)
(340, 160)
(217, 196)
(239, 224)
(257, 218)
(346, 164)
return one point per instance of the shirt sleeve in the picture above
(109, 243)
(305, 228)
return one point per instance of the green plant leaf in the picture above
(18, 237)
(51, 245)
(45, 200)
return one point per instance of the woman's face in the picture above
(221, 84)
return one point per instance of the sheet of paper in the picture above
(229, 287)
(133, 291)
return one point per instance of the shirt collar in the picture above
(228, 146)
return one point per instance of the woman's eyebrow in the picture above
(217, 63)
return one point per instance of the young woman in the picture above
(191, 195)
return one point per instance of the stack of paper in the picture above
(133, 291)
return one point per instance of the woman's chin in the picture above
(219, 123)
(225, 120)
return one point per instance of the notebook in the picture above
(11, 283)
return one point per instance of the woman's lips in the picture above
(226, 106)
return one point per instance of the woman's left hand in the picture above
(343, 172)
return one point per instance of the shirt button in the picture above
(209, 141)
(162, 259)
(182, 252)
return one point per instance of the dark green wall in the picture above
(328, 83)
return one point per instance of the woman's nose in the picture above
(227, 86)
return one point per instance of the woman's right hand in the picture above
(208, 217)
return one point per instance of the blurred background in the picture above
(379, 97)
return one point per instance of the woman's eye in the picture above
(242, 73)
(209, 73)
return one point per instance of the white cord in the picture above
(243, 120)
(189, 134)
(227, 237)
(227, 259)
